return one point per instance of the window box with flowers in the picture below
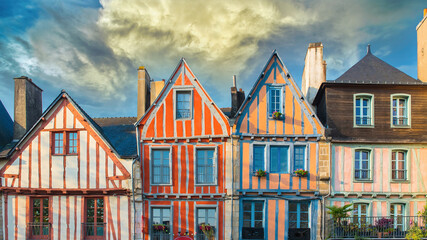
(160, 228)
(208, 231)
(277, 115)
(301, 173)
(260, 173)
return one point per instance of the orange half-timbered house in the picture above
(184, 144)
(275, 134)
(64, 180)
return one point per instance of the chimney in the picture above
(314, 73)
(143, 91)
(28, 105)
(237, 98)
(422, 48)
(156, 88)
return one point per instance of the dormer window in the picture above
(363, 110)
(183, 105)
(400, 109)
(275, 100)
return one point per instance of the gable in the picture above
(254, 116)
(90, 165)
(206, 119)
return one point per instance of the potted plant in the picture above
(207, 230)
(384, 226)
(277, 115)
(160, 228)
(260, 173)
(301, 172)
(338, 213)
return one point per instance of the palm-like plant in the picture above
(339, 212)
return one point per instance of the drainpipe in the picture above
(327, 195)
(232, 182)
(133, 182)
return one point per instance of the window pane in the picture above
(205, 169)
(279, 159)
(160, 166)
(183, 104)
(299, 157)
(275, 99)
(258, 157)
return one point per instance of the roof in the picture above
(6, 126)
(371, 69)
(120, 131)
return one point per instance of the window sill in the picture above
(400, 181)
(161, 184)
(205, 184)
(183, 119)
(363, 180)
(67, 154)
(400, 126)
(363, 126)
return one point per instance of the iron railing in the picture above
(93, 230)
(375, 227)
(160, 235)
(39, 230)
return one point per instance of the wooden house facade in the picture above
(276, 135)
(64, 180)
(374, 116)
(184, 149)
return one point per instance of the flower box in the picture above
(260, 173)
(301, 173)
(277, 115)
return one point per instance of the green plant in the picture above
(416, 232)
(339, 212)
(260, 173)
(301, 172)
(277, 115)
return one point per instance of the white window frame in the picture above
(267, 149)
(170, 165)
(408, 109)
(368, 210)
(371, 97)
(151, 218)
(404, 212)
(406, 164)
(371, 165)
(281, 108)
(177, 90)
(207, 147)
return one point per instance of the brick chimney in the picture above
(143, 91)
(156, 88)
(237, 98)
(28, 105)
(314, 73)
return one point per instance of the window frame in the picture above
(267, 162)
(408, 109)
(65, 143)
(298, 212)
(95, 218)
(215, 173)
(206, 206)
(252, 220)
(371, 106)
(404, 212)
(183, 89)
(31, 216)
(151, 218)
(368, 210)
(370, 164)
(169, 148)
(280, 87)
(406, 164)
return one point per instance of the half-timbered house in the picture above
(184, 145)
(277, 139)
(63, 179)
(374, 115)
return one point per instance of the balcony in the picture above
(390, 227)
(93, 230)
(160, 235)
(39, 230)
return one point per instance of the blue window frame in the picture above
(298, 214)
(183, 104)
(279, 159)
(253, 220)
(299, 157)
(361, 164)
(363, 110)
(206, 165)
(360, 212)
(258, 157)
(160, 166)
(397, 211)
(275, 100)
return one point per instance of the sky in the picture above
(92, 49)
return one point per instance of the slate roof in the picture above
(6, 126)
(120, 132)
(372, 70)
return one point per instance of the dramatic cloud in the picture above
(92, 49)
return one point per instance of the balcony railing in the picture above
(160, 235)
(39, 230)
(375, 227)
(93, 230)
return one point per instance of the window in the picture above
(258, 157)
(275, 100)
(61, 145)
(160, 166)
(298, 214)
(398, 165)
(39, 226)
(94, 226)
(206, 167)
(396, 213)
(363, 110)
(253, 220)
(206, 216)
(299, 157)
(183, 104)
(279, 159)
(400, 109)
(360, 212)
(361, 165)
(160, 223)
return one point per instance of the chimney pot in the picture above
(425, 12)
(234, 80)
(369, 49)
(143, 91)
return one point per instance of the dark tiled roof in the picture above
(6, 126)
(372, 70)
(120, 132)
(226, 111)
